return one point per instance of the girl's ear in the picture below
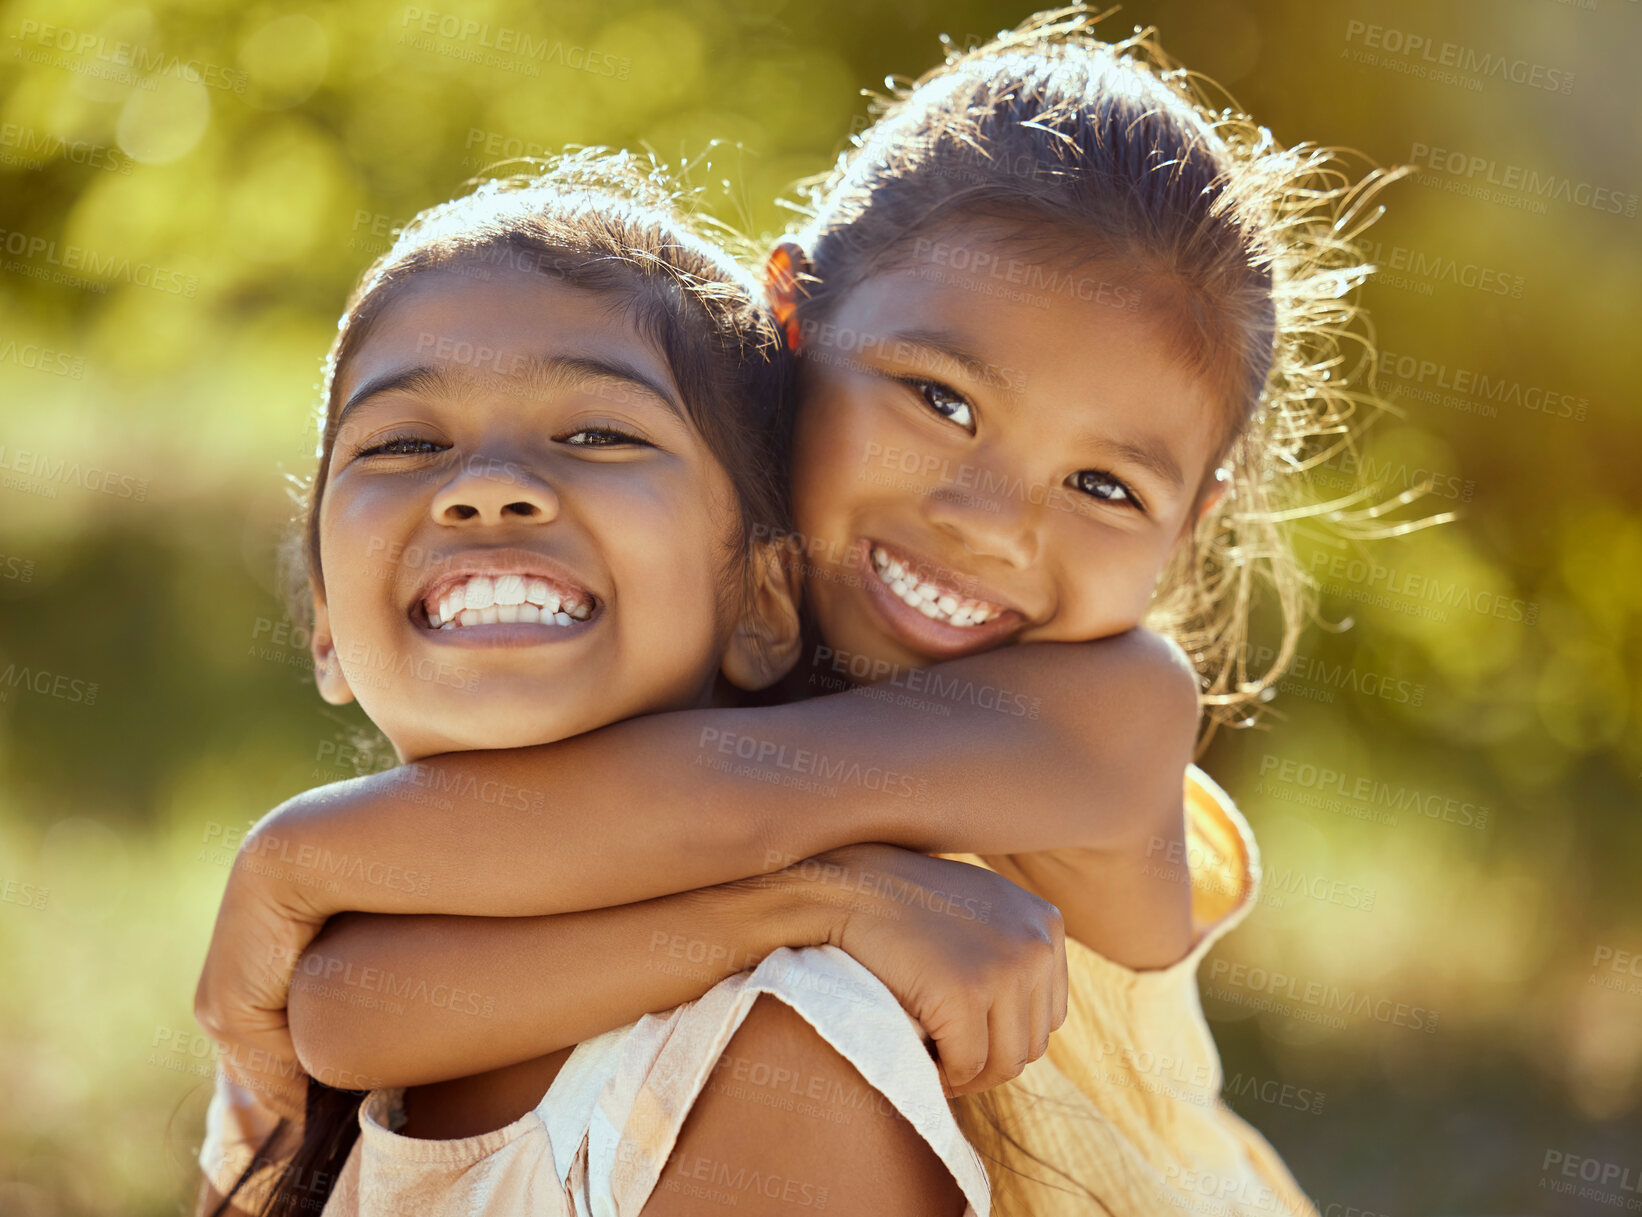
(1222, 484)
(1212, 500)
(767, 639)
(328, 675)
(783, 270)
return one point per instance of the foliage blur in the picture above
(180, 223)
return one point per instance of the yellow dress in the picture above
(1126, 1102)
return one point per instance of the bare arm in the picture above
(1024, 749)
(409, 1000)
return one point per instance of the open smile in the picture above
(933, 611)
(505, 595)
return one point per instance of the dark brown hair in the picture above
(600, 222)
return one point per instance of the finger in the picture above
(1009, 1027)
(1062, 983)
(961, 1048)
(1041, 1004)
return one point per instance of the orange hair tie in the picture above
(784, 279)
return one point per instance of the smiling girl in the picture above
(1063, 328)
(569, 407)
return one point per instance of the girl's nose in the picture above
(1001, 525)
(488, 491)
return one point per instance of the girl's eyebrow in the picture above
(938, 342)
(577, 370)
(1148, 451)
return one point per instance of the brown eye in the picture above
(402, 445)
(948, 403)
(604, 437)
(1100, 485)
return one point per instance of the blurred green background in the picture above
(1442, 966)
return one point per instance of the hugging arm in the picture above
(1033, 748)
(465, 995)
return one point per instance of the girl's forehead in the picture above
(475, 322)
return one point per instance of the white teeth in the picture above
(505, 599)
(927, 598)
(510, 589)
